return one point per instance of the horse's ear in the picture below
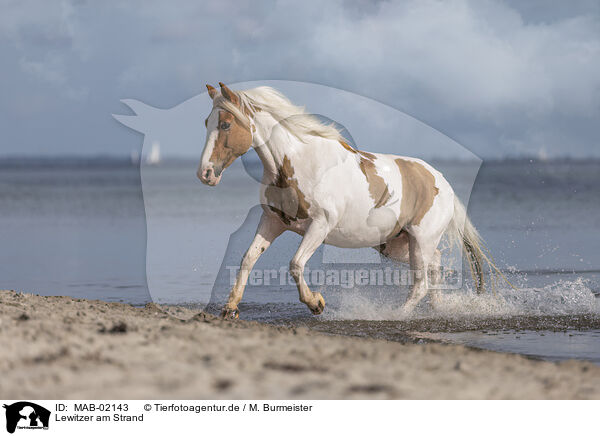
(211, 91)
(229, 94)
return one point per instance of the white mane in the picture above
(294, 118)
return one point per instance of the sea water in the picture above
(80, 228)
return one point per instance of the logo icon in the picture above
(26, 415)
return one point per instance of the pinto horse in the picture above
(317, 185)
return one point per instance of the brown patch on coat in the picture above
(284, 197)
(418, 193)
(367, 155)
(348, 147)
(231, 143)
(378, 189)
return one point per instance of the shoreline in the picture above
(68, 348)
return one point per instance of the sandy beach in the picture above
(60, 347)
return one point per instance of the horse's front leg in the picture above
(268, 229)
(313, 238)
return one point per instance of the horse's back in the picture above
(393, 193)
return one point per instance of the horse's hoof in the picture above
(320, 305)
(227, 313)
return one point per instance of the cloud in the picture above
(478, 57)
(45, 38)
(498, 76)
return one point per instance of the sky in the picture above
(502, 78)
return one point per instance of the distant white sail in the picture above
(153, 157)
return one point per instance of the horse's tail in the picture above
(462, 232)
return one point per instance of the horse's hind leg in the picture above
(421, 253)
(435, 279)
(268, 229)
(396, 249)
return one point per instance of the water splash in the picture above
(561, 298)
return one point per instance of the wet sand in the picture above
(60, 347)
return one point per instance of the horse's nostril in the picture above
(208, 175)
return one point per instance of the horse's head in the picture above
(228, 134)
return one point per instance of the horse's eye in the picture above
(225, 125)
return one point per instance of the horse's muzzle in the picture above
(208, 176)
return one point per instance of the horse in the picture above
(315, 184)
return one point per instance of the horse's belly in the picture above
(343, 239)
(357, 230)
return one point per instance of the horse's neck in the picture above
(271, 152)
